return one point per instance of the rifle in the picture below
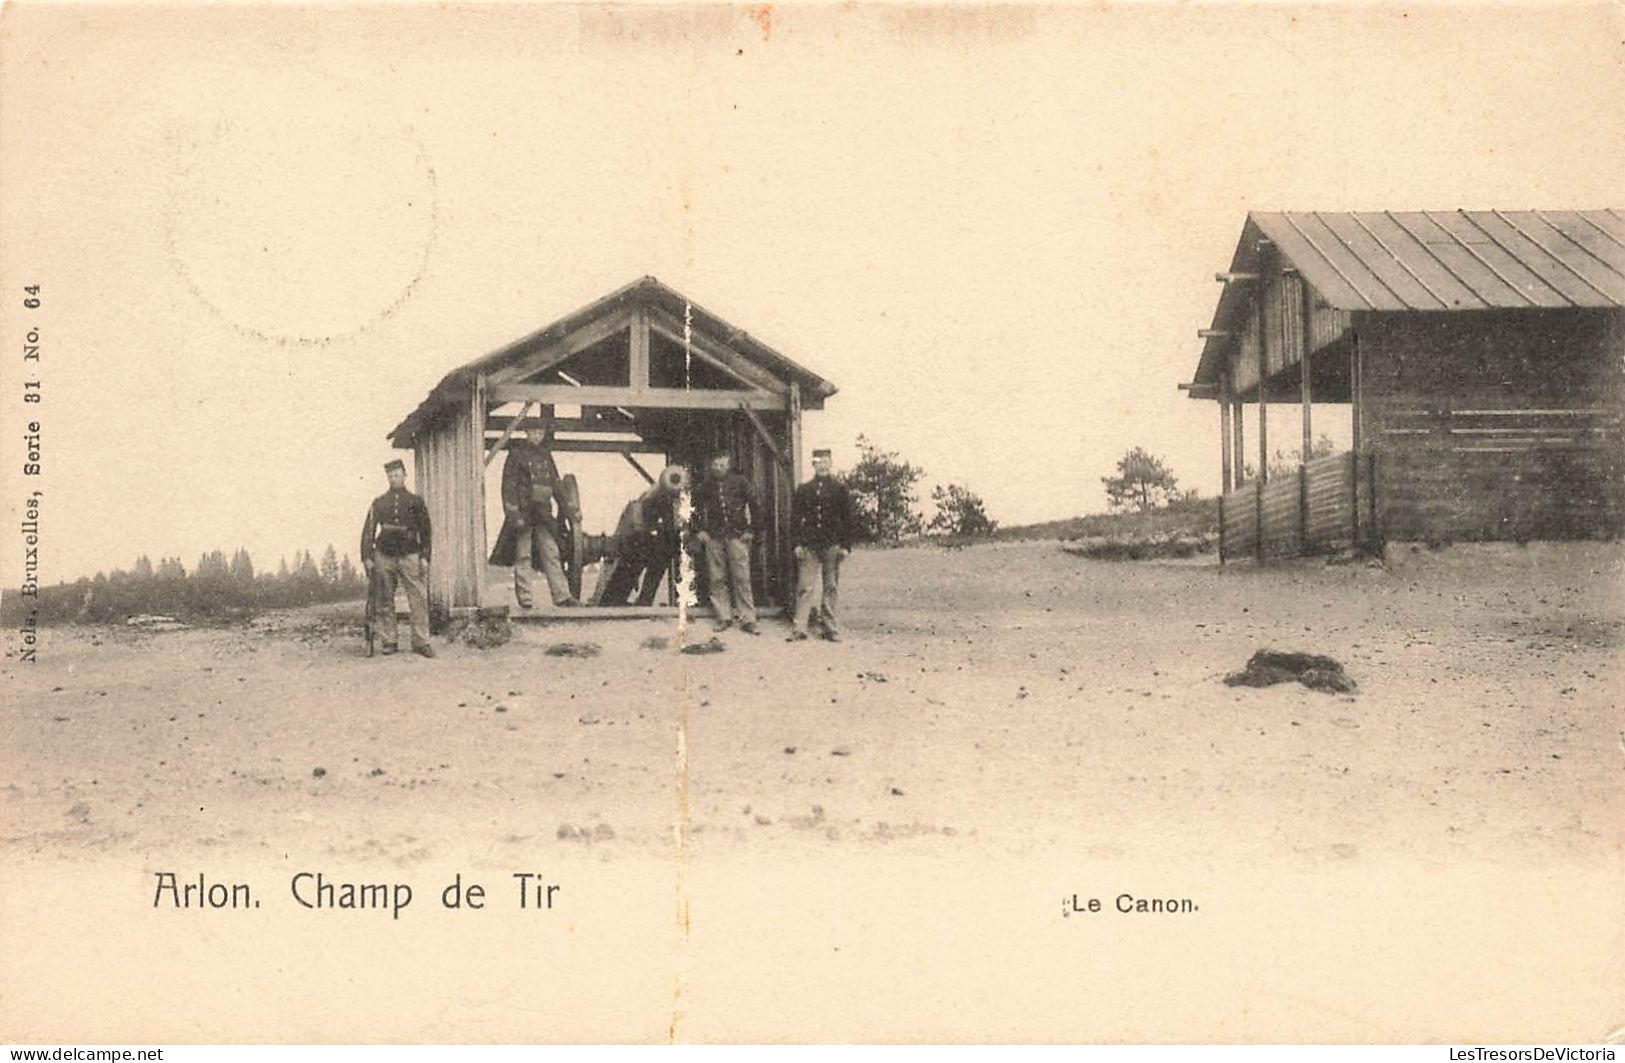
(375, 592)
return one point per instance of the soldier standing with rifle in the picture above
(395, 544)
(822, 528)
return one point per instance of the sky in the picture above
(263, 234)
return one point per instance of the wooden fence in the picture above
(1327, 506)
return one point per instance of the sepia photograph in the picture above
(814, 523)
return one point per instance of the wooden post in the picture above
(1258, 518)
(476, 492)
(1306, 390)
(1354, 501)
(1303, 509)
(1263, 421)
(1306, 394)
(1225, 472)
(1356, 444)
(1221, 531)
(1239, 446)
(638, 353)
(1263, 413)
(1356, 392)
(794, 426)
(795, 433)
(1375, 534)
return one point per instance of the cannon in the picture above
(578, 549)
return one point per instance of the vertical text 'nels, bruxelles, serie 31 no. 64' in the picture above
(32, 465)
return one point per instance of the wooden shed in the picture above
(644, 370)
(1482, 358)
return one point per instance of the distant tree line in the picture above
(883, 493)
(1144, 482)
(219, 587)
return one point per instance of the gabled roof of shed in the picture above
(1433, 261)
(647, 291)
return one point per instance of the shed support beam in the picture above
(1307, 382)
(712, 353)
(1356, 441)
(1263, 422)
(545, 358)
(497, 422)
(635, 398)
(1238, 447)
(599, 446)
(1356, 397)
(767, 437)
(638, 355)
(507, 433)
(795, 434)
(630, 460)
(1263, 407)
(473, 561)
(1226, 477)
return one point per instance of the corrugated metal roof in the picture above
(646, 291)
(1456, 260)
(1436, 260)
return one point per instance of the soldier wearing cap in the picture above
(728, 513)
(822, 529)
(395, 545)
(529, 537)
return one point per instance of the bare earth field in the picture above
(869, 840)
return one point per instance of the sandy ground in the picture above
(874, 839)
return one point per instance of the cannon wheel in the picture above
(570, 533)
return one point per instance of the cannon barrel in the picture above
(598, 547)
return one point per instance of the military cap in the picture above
(394, 463)
(821, 452)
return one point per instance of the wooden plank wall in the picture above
(1280, 329)
(449, 474)
(1283, 322)
(1327, 324)
(1496, 425)
(769, 563)
(1245, 367)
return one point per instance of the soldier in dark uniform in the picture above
(395, 542)
(822, 528)
(529, 537)
(728, 513)
(646, 539)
